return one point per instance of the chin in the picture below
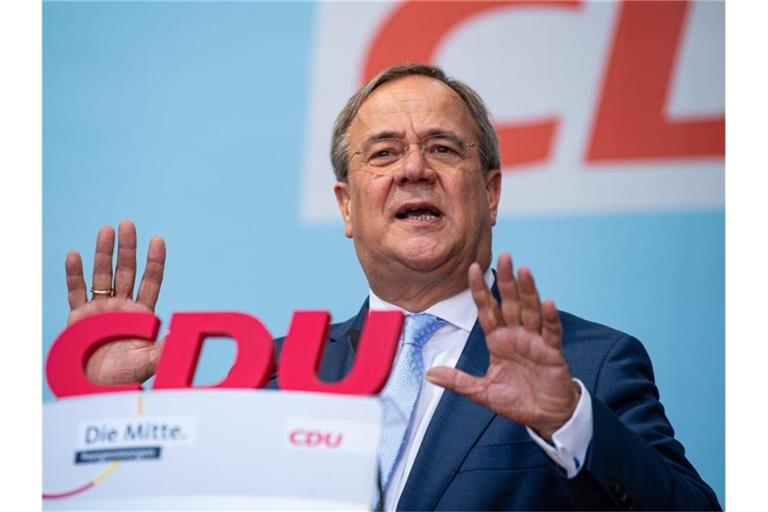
(423, 256)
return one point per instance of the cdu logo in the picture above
(315, 438)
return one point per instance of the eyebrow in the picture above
(383, 135)
(391, 134)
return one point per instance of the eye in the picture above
(383, 153)
(443, 149)
(440, 148)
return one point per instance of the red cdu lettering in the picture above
(332, 441)
(65, 366)
(294, 436)
(313, 438)
(301, 357)
(255, 347)
(630, 121)
(303, 349)
(405, 37)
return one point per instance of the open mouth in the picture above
(418, 212)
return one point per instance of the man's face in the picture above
(413, 216)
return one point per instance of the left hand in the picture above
(528, 380)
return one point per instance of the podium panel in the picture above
(210, 449)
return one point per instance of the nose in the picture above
(414, 168)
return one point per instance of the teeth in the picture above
(418, 214)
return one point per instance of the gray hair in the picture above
(488, 144)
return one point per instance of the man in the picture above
(525, 407)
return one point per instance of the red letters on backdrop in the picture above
(630, 122)
(301, 354)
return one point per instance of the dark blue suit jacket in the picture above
(473, 459)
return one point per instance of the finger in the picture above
(510, 295)
(146, 371)
(552, 330)
(458, 381)
(76, 294)
(102, 261)
(488, 313)
(149, 289)
(529, 297)
(125, 271)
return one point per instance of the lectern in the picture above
(210, 449)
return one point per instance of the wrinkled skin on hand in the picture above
(528, 380)
(122, 361)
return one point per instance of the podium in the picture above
(210, 449)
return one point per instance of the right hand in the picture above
(123, 361)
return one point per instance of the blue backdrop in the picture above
(189, 119)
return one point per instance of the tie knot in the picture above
(420, 327)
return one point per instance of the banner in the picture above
(599, 106)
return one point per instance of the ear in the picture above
(493, 189)
(344, 201)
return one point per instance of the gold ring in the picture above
(102, 293)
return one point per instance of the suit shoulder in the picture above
(580, 330)
(587, 345)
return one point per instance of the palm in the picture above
(129, 360)
(528, 380)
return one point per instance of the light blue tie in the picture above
(402, 390)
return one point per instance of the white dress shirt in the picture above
(569, 443)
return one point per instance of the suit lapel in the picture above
(453, 430)
(339, 352)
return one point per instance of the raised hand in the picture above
(528, 380)
(123, 361)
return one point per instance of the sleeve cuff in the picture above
(571, 441)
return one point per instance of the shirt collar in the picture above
(459, 310)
